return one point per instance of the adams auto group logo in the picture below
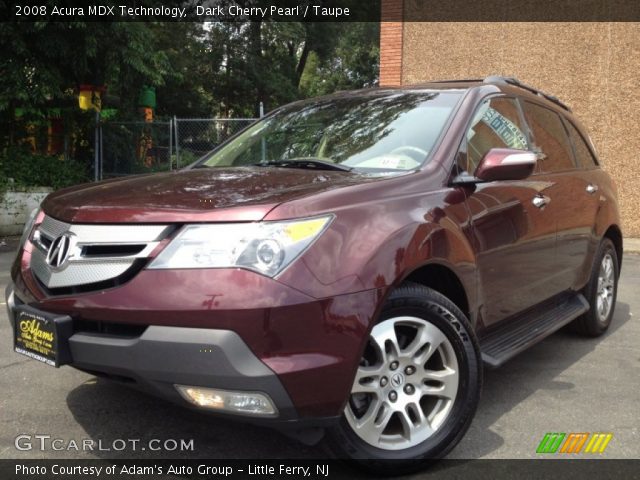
(574, 443)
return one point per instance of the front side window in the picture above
(496, 124)
(386, 131)
(550, 138)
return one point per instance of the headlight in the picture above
(265, 247)
(28, 226)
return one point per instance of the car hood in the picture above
(197, 195)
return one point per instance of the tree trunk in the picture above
(258, 64)
(302, 63)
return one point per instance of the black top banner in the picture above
(321, 10)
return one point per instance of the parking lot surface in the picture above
(564, 384)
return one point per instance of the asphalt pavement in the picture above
(564, 384)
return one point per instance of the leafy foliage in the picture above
(198, 70)
(20, 168)
(354, 63)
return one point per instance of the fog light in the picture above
(248, 403)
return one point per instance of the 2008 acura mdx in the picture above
(345, 265)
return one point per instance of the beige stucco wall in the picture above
(593, 67)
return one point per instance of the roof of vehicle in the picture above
(493, 84)
(502, 83)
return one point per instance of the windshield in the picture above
(376, 132)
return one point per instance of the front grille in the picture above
(111, 250)
(93, 256)
(92, 287)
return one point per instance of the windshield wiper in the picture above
(305, 162)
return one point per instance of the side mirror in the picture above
(506, 164)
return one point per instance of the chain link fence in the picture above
(196, 136)
(128, 148)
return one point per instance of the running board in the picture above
(530, 327)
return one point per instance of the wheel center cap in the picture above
(397, 380)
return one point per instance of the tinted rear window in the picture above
(550, 137)
(583, 154)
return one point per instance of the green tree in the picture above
(50, 59)
(185, 91)
(277, 62)
(354, 63)
(203, 70)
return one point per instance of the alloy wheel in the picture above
(405, 386)
(605, 289)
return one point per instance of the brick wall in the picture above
(593, 67)
(391, 29)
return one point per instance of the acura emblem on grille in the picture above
(59, 250)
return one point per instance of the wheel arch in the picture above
(444, 280)
(435, 275)
(614, 234)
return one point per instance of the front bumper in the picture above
(247, 333)
(164, 356)
(10, 302)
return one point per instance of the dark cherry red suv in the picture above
(345, 266)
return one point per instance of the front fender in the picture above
(378, 245)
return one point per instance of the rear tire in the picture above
(417, 386)
(600, 292)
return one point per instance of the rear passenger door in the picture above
(571, 206)
(514, 239)
(588, 176)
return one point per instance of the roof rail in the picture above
(517, 83)
(457, 80)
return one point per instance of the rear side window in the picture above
(550, 138)
(496, 124)
(583, 153)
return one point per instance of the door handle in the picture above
(539, 201)
(591, 189)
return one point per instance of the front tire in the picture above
(417, 387)
(600, 292)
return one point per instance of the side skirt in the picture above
(531, 326)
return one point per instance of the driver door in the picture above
(514, 239)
